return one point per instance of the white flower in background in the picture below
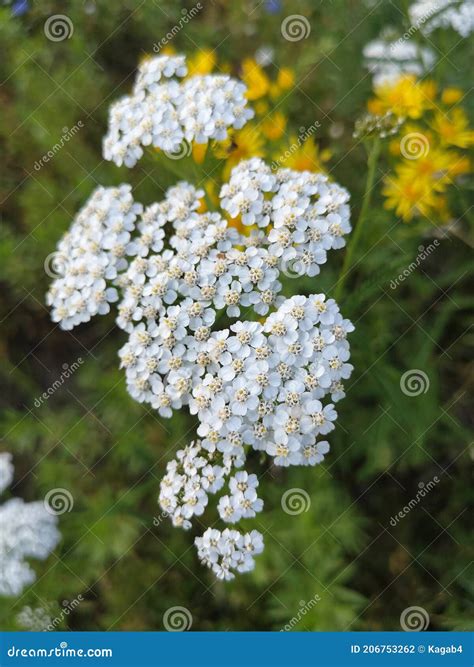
(164, 112)
(6, 471)
(34, 619)
(268, 385)
(264, 55)
(431, 14)
(27, 530)
(388, 58)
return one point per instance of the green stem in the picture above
(179, 168)
(369, 186)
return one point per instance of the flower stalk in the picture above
(366, 201)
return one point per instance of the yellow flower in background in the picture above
(261, 107)
(438, 166)
(416, 187)
(450, 96)
(460, 164)
(307, 156)
(199, 152)
(240, 145)
(442, 212)
(238, 225)
(286, 78)
(409, 131)
(202, 208)
(405, 97)
(273, 126)
(453, 128)
(167, 50)
(428, 164)
(274, 91)
(203, 62)
(409, 196)
(255, 79)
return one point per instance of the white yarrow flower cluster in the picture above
(229, 551)
(429, 15)
(201, 303)
(6, 471)
(27, 530)
(91, 253)
(34, 619)
(189, 478)
(388, 58)
(252, 385)
(392, 55)
(164, 112)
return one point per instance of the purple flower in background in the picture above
(20, 7)
(273, 6)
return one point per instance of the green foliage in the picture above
(91, 438)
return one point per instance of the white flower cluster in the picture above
(259, 385)
(34, 619)
(190, 287)
(431, 14)
(308, 214)
(27, 530)
(392, 55)
(189, 478)
(243, 503)
(229, 551)
(197, 472)
(6, 471)
(90, 253)
(388, 58)
(163, 112)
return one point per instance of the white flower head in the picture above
(429, 15)
(27, 530)
(390, 56)
(267, 381)
(165, 111)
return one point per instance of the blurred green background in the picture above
(91, 438)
